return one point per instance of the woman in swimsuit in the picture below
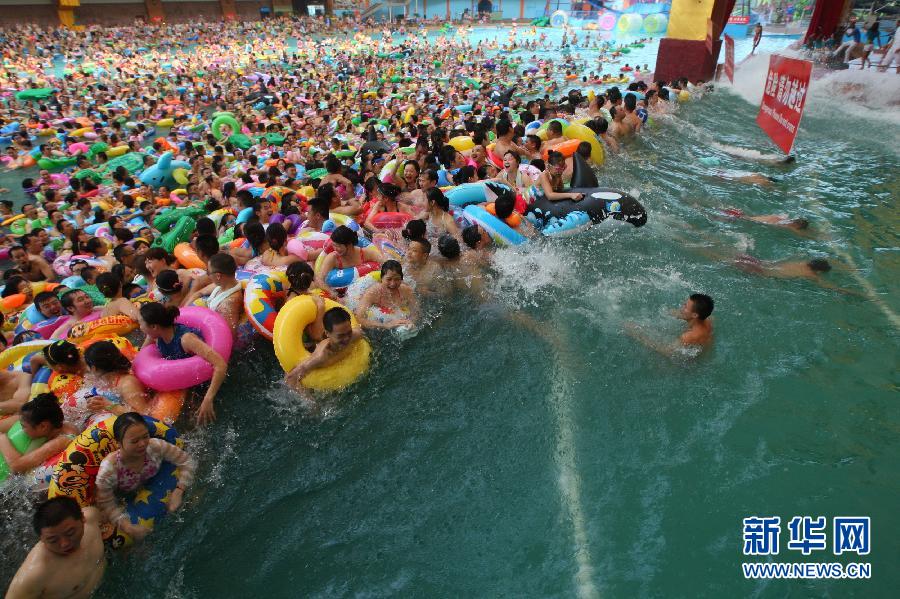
(346, 254)
(116, 390)
(389, 304)
(172, 291)
(111, 287)
(277, 255)
(137, 461)
(550, 183)
(387, 202)
(254, 245)
(176, 341)
(515, 177)
(439, 221)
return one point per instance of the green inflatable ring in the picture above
(275, 139)
(345, 153)
(316, 173)
(22, 443)
(227, 236)
(97, 147)
(132, 161)
(173, 215)
(224, 119)
(20, 227)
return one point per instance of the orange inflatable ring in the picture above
(566, 148)
(187, 256)
(513, 220)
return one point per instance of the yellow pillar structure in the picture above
(691, 46)
(65, 10)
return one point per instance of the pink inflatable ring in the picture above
(171, 375)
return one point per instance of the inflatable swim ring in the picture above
(76, 473)
(264, 295)
(293, 318)
(170, 375)
(501, 233)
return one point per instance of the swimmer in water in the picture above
(339, 337)
(69, 559)
(796, 225)
(696, 311)
(746, 177)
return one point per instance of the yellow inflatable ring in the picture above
(14, 354)
(293, 317)
(584, 133)
(462, 143)
(116, 151)
(102, 327)
(12, 219)
(180, 175)
(165, 122)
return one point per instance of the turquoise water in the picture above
(487, 458)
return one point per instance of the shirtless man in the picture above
(34, 268)
(619, 127)
(68, 561)
(788, 269)
(696, 311)
(554, 135)
(797, 225)
(15, 389)
(77, 303)
(746, 177)
(225, 294)
(339, 337)
(631, 117)
(419, 268)
(505, 143)
(600, 126)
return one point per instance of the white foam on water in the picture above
(176, 588)
(867, 94)
(746, 153)
(569, 480)
(522, 273)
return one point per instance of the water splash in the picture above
(868, 94)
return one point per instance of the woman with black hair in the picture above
(176, 341)
(118, 390)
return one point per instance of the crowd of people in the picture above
(332, 162)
